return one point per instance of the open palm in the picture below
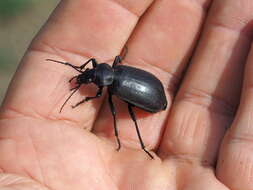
(41, 148)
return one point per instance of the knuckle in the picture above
(209, 101)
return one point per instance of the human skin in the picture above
(202, 141)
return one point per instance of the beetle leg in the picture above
(72, 88)
(131, 112)
(94, 63)
(75, 89)
(72, 78)
(112, 108)
(116, 61)
(99, 93)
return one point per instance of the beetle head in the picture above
(86, 77)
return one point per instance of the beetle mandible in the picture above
(136, 87)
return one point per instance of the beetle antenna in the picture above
(65, 63)
(75, 89)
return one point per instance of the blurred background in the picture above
(20, 20)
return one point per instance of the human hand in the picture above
(42, 149)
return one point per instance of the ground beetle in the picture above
(134, 86)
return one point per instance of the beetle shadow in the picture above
(225, 108)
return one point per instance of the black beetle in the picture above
(134, 86)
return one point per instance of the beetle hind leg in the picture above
(131, 112)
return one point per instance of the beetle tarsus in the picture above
(119, 144)
(72, 89)
(150, 155)
(112, 108)
(79, 103)
(70, 80)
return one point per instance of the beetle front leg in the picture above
(99, 93)
(72, 79)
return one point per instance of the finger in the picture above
(235, 166)
(7, 181)
(152, 48)
(76, 31)
(209, 95)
